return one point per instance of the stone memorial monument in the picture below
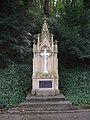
(45, 64)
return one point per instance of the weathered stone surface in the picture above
(56, 98)
(45, 103)
(45, 64)
(45, 92)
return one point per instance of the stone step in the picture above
(31, 98)
(45, 104)
(47, 108)
(43, 112)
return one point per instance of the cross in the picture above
(45, 55)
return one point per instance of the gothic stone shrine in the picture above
(45, 64)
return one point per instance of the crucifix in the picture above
(45, 55)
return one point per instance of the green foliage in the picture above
(16, 21)
(70, 24)
(15, 82)
(75, 84)
(72, 30)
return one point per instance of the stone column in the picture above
(38, 53)
(52, 54)
(56, 51)
(34, 50)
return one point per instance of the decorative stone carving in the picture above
(45, 64)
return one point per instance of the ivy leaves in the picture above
(75, 84)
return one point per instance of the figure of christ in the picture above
(45, 55)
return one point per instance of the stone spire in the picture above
(45, 31)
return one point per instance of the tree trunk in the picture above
(46, 8)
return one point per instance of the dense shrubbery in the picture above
(75, 84)
(15, 82)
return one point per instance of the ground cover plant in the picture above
(75, 84)
(15, 82)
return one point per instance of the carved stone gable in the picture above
(44, 43)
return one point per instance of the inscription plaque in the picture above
(45, 84)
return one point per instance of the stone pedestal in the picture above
(45, 64)
(45, 86)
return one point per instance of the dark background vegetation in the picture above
(20, 21)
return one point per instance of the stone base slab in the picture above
(57, 92)
(33, 92)
(45, 92)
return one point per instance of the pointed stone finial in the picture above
(52, 37)
(34, 46)
(56, 45)
(38, 42)
(38, 38)
(34, 42)
(56, 42)
(45, 18)
(45, 26)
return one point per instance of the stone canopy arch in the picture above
(45, 43)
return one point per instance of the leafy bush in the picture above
(15, 82)
(75, 84)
